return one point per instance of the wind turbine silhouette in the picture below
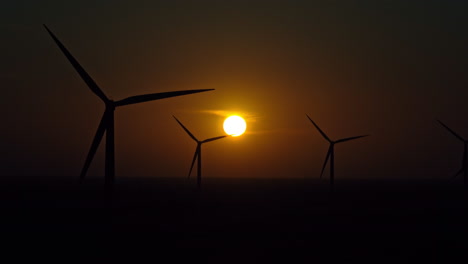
(107, 121)
(331, 152)
(464, 168)
(197, 151)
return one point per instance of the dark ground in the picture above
(236, 221)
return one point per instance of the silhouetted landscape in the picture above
(247, 220)
(84, 179)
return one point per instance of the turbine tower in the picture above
(464, 168)
(331, 152)
(107, 122)
(197, 154)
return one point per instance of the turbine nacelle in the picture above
(110, 104)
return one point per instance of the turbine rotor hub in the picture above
(110, 104)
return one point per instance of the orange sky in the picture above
(357, 68)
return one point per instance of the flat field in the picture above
(237, 220)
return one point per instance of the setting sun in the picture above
(234, 126)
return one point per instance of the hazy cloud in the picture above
(288, 131)
(249, 117)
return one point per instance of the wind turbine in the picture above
(331, 152)
(464, 168)
(197, 151)
(107, 121)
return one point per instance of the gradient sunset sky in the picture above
(385, 68)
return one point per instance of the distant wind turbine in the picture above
(197, 151)
(464, 168)
(331, 152)
(107, 121)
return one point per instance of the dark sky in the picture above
(385, 68)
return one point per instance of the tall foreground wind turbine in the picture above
(464, 168)
(197, 151)
(331, 152)
(107, 121)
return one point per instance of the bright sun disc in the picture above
(234, 126)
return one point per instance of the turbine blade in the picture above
(213, 139)
(451, 131)
(156, 96)
(186, 130)
(193, 162)
(321, 132)
(456, 174)
(84, 75)
(350, 138)
(97, 139)
(326, 160)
